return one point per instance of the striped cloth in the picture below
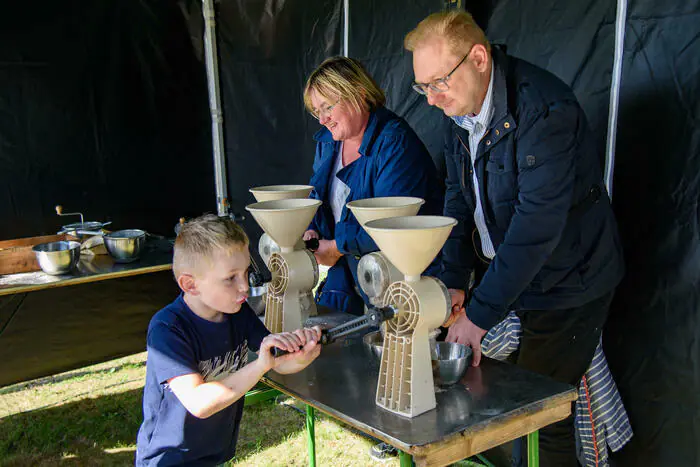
(600, 418)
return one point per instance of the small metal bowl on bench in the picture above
(125, 246)
(450, 361)
(57, 258)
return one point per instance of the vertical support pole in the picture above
(405, 459)
(533, 449)
(620, 25)
(311, 435)
(217, 120)
(346, 27)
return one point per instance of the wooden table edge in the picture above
(461, 445)
(85, 279)
(465, 444)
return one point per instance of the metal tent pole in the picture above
(620, 23)
(346, 26)
(217, 119)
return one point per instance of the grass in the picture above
(91, 416)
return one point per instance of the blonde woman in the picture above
(364, 150)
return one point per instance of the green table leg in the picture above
(311, 435)
(405, 459)
(533, 449)
(484, 461)
(260, 394)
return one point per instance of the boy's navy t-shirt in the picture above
(180, 343)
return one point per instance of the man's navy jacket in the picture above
(545, 205)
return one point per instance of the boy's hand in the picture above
(311, 337)
(302, 346)
(285, 340)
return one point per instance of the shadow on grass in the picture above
(66, 376)
(78, 433)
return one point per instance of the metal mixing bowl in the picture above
(57, 257)
(373, 342)
(257, 297)
(450, 362)
(125, 245)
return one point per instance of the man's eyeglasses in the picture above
(440, 84)
(324, 110)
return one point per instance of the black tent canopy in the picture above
(104, 109)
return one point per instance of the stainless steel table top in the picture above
(343, 380)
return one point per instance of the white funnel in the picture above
(284, 220)
(274, 192)
(369, 209)
(410, 242)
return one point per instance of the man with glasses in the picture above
(536, 232)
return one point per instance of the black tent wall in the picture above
(653, 332)
(267, 49)
(103, 109)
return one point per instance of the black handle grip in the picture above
(277, 352)
(325, 339)
(311, 244)
(258, 278)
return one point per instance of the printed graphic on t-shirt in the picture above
(218, 368)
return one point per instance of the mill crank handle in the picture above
(374, 317)
(311, 244)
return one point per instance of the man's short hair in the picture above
(200, 238)
(347, 79)
(457, 27)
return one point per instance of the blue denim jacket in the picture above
(393, 162)
(545, 204)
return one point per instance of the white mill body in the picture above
(294, 271)
(374, 271)
(405, 385)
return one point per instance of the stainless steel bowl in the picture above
(57, 257)
(125, 245)
(450, 362)
(374, 342)
(257, 298)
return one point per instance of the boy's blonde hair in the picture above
(202, 237)
(346, 78)
(457, 27)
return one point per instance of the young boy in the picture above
(197, 371)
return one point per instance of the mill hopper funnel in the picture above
(275, 192)
(410, 242)
(284, 220)
(369, 209)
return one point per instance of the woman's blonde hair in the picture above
(347, 79)
(457, 27)
(202, 238)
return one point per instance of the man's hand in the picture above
(327, 253)
(457, 297)
(465, 332)
(309, 234)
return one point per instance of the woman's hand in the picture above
(327, 253)
(309, 234)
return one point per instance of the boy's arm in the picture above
(204, 399)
